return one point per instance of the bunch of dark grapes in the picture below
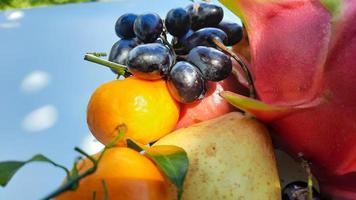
(190, 60)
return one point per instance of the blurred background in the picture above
(12, 4)
(45, 84)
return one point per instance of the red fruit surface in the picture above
(213, 105)
(304, 51)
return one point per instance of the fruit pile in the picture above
(189, 61)
(161, 78)
(229, 157)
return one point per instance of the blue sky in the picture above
(45, 84)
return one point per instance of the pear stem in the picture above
(306, 166)
(310, 180)
(245, 69)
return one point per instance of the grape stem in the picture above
(245, 69)
(171, 49)
(94, 57)
(98, 54)
(183, 57)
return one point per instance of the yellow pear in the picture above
(230, 157)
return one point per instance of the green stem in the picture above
(179, 193)
(121, 130)
(310, 188)
(57, 165)
(105, 188)
(245, 69)
(120, 69)
(94, 195)
(310, 181)
(73, 181)
(98, 54)
(77, 149)
(70, 184)
(306, 166)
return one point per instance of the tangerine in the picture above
(145, 107)
(127, 174)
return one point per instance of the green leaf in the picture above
(9, 168)
(171, 160)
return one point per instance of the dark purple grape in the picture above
(179, 43)
(205, 15)
(214, 64)
(298, 190)
(177, 22)
(150, 61)
(124, 26)
(148, 27)
(186, 83)
(233, 31)
(202, 38)
(120, 50)
(186, 35)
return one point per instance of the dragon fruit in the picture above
(303, 63)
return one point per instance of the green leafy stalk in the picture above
(74, 172)
(171, 160)
(72, 182)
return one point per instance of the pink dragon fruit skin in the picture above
(212, 105)
(303, 62)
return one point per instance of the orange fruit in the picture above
(145, 107)
(128, 176)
